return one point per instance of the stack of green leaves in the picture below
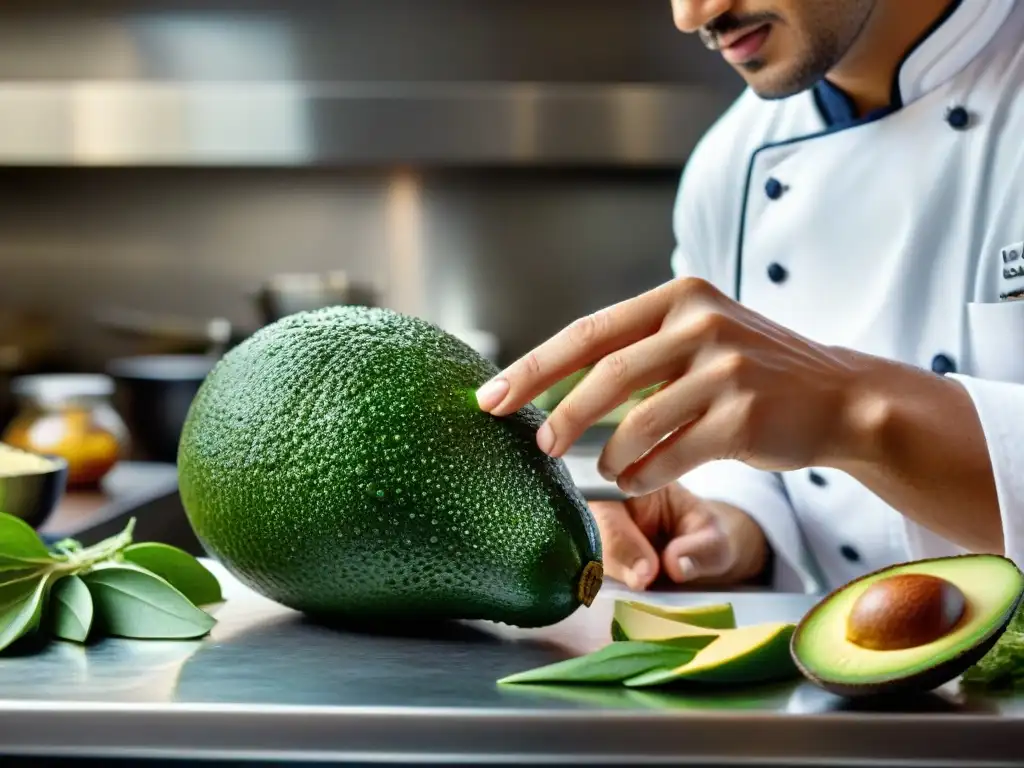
(116, 588)
(1003, 666)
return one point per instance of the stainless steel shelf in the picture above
(128, 123)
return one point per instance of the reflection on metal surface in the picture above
(269, 682)
(289, 124)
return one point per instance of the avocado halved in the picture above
(908, 628)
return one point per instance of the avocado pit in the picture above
(905, 611)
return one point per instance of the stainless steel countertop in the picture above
(267, 683)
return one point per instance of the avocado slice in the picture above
(709, 616)
(633, 620)
(746, 655)
(908, 628)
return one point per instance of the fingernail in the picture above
(490, 395)
(636, 577)
(605, 473)
(688, 567)
(546, 438)
(630, 487)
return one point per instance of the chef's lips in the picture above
(711, 34)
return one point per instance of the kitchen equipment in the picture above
(167, 334)
(70, 416)
(286, 294)
(153, 395)
(33, 494)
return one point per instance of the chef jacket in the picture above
(898, 234)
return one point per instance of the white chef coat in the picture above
(895, 235)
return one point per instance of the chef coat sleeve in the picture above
(760, 494)
(1000, 408)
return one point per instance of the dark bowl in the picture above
(33, 496)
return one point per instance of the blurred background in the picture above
(176, 173)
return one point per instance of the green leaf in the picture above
(178, 568)
(21, 606)
(20, 546)
(132, 602)
(71, 606)
(616, 662)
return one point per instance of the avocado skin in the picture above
(337, 463)
(923, 681)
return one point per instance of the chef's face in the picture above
(780, 47)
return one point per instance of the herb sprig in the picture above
(116, 588)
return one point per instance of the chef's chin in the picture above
(782, 79)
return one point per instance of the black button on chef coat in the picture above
(774, 189)
(849, 553)
(958, 118)
(777, 273)
(942, 364)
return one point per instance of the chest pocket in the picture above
(995, 338)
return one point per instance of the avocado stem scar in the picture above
(590, 583)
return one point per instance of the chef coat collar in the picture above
(945, 48)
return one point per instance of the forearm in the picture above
(915, 440)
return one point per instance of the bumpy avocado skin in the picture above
(922, 681)
(337, 463)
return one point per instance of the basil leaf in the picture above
(132, 602)
(71, 607)
(616, 662)
(20, 546)
(21, 606)
(178, 568)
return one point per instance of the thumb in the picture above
(701, 554)
(628, 555)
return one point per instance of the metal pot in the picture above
(165, 334)
(287, 294)
(153, 395)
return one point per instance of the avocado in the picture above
(635, 620)
(758, 653)
(750, 654)
(336, 462)
(909, 628)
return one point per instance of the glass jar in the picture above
(71, 416)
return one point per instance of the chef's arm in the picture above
(927, 445)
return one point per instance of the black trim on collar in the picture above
(836, 107)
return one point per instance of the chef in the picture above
(840, 355)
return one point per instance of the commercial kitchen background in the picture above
(494, 165)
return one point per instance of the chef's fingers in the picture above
(667, 413)
(711, 436)
(703, 554)
(582, 343)
(628, 555)
(654, 360)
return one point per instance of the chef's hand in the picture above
(734, 385)
(673, 531)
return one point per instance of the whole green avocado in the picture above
(337, 463)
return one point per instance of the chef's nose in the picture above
(691, 15)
